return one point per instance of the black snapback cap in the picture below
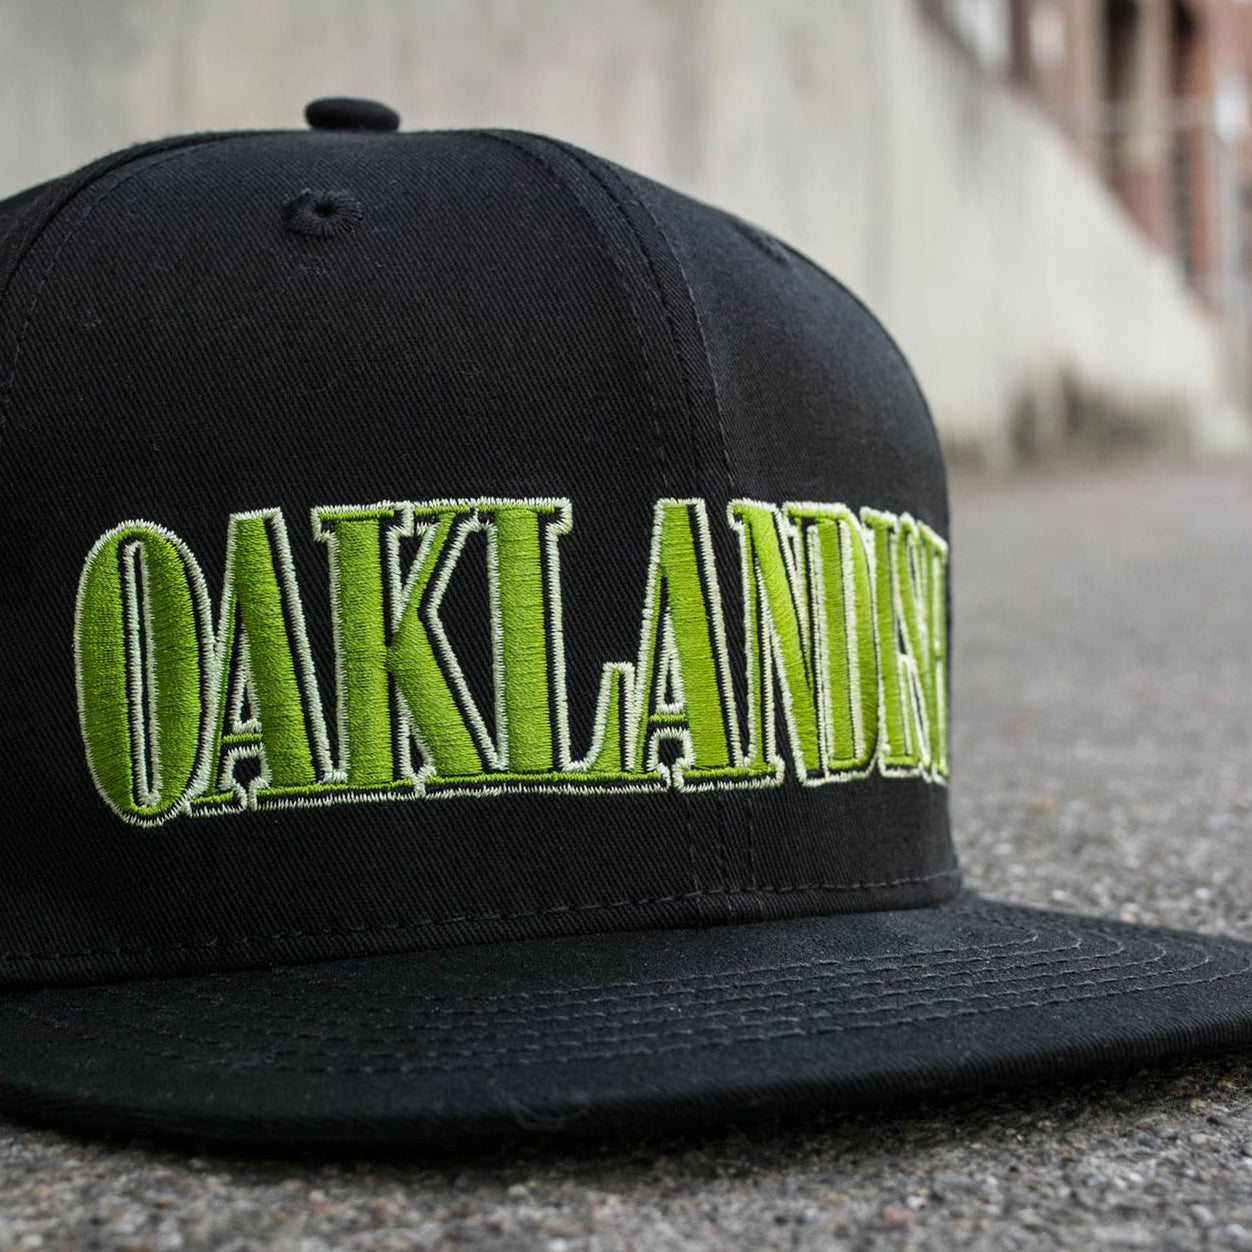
(475, 662)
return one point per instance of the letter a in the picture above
(683, 682)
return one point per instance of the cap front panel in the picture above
(370, 587)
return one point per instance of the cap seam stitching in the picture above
(691, 1024)
(722, 1041)
(723, 442)
(805, 988)
(555, 177)
(62, 193)
(599, 171)
(590, 906)
(568, 994)
(698, 983)
(572, 156)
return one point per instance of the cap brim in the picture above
(620, 1031)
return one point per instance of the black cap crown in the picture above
(417, 539)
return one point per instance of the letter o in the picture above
(142, 644)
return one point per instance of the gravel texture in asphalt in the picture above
(1102, 764)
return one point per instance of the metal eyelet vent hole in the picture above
(322, 214)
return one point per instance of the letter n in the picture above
(778, 634)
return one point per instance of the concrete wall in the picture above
(1026, 300)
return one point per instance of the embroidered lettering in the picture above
(845, 647)
(269, 709)
(144, 664)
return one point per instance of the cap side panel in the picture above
(902, 360)
(812, 397)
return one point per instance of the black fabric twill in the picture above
(527, 346)
(224, 323)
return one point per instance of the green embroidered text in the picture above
(184, 710)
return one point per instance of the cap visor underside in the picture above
(619, 1032)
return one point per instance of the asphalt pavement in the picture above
(1102, 764)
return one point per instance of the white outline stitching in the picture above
(622, 684)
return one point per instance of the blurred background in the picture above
(1048, 201)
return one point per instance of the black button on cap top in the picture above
(342, 113)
